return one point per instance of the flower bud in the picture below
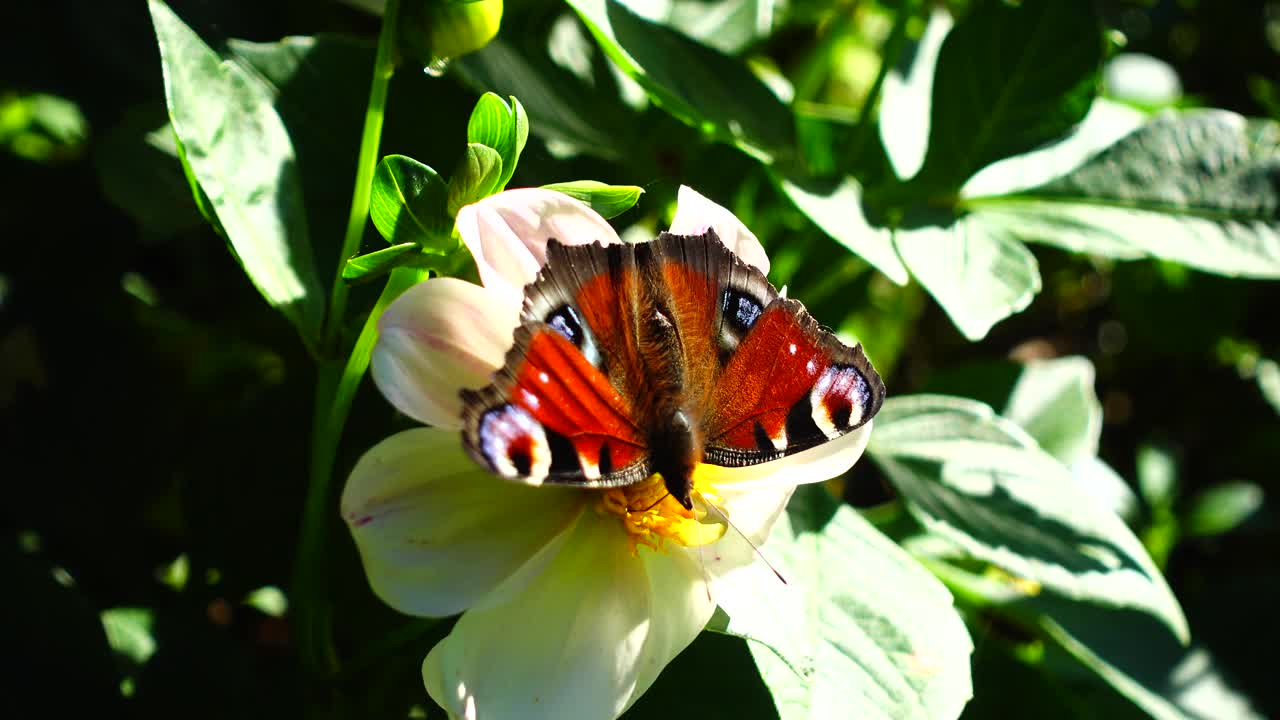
(434, 31)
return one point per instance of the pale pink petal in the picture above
(828, 460)
(507, 234)
(440, 336)
(582, 640)
(436, 533)
(695, 213)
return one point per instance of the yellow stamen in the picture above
(651, 516)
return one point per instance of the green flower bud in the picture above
(434, 31)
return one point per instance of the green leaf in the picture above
(1009, 79)
(837, 210)
(573, 114)
(886, 640)
(697, 84)
(1193, 187)
(1268, 372)
(1135, 655)
(501, 127)
(408, 204)
(241, 155)
(905, 99)
(476, 177)
(608, 200)
(138, 167)
(129, 632)
(380, 262)
(979, 274)
(1157, 476)
(1222, 508)
(982, 483)
(1130, 651)
(1054, 402)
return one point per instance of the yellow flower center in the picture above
(651, 516)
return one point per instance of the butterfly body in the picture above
(635, 360)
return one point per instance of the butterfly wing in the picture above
(780, 383)
(555, 413)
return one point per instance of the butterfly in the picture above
(636, 359)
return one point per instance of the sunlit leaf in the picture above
(1193, 187)
(476, 177)
(837, 209)
(378, 263)
(608, 200)
(906, 98)
(408, 204)
(979, 274)
(982, 483)
(241, 154)
(503, 127)
(1008, 79)
(1136, 656)
(697, 84)
(1054, 402)
(130, 632)
(887, 641)
(1222, 508)
(562, 108)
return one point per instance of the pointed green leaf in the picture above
(1135, 655)
(1222, 508)
(608, 200)
(697, 84)
(1193, 187)
(494, 124)
(978, 274)
(837, 209)
(408, 204)
(982, 483)
(1054, 402)
(130, 632)
(1009, 78)
(476, 177)
(380, 262)
(886, 641)
(907, 94)
(242, 157)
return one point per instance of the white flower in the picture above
(573, 600)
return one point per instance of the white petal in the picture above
(439, 337)
(583, 640)
(828, 460)
(695, 213)
(507, 234)
(436, 532)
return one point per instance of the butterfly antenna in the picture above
(706, 579)
(729, 523)
(655, 503)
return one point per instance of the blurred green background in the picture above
(154, 410)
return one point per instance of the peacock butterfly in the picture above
(649, 358)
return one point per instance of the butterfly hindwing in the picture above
(551, 417)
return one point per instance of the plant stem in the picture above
(336, 384)
(383, 68)
(888, 57)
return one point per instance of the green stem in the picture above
(888, 57)
(336, 384)
(384, 66)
